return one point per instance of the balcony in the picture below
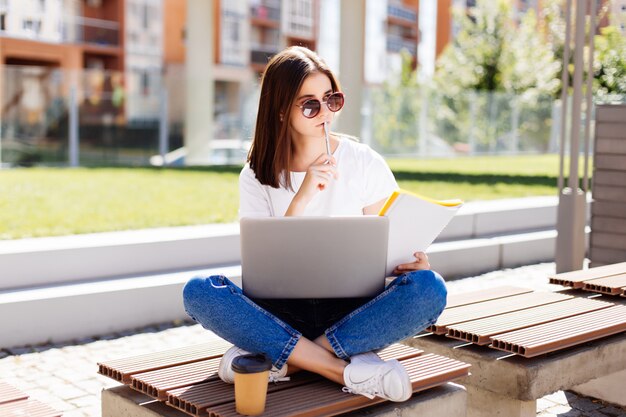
(396, 43)
(402, 13)
(266, 14)
(261, 54)
(92, 31)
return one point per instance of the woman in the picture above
(290, 174)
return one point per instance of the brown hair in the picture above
(270, 154)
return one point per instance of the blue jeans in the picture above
(412, 302)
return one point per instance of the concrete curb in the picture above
(78, 286)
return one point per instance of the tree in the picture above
(609, 63)
(395, 109)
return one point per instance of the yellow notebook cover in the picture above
(415, 222)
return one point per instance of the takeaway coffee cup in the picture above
(251, 376)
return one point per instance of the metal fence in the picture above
(94, 117)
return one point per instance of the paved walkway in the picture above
(64, 375)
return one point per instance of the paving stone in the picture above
(543, 404)
(571, 413)
(61, 406)
(85, 401)
(558, 397)
(77, 413)
(22, 350)
(585, 404)
(67, 392)
(561, 409)
(613, 411)
(71, 366)
(594, 413)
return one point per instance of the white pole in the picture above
(351, 64)
(199, 81)
(564, 93)
(73, 128)
(592, 32)
(570, 243)
(163, 126)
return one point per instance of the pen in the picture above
(327, 140)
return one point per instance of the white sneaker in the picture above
(367, 357)
(226, 373)
(377, 378)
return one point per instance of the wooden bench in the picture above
(607, 279)
(524, 345)
(184, 381)
(15, 403)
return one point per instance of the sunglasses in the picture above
(312, 107)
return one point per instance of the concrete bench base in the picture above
(448, 400)
(481, 403)
(509, 386)
(608, 388)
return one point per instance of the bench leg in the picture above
(122, 401)
(481, 403)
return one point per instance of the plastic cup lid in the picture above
(252, 363)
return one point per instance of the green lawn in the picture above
(51, 201)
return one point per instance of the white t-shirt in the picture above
(364, 179)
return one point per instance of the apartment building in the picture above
(143, 57)
(68, 34)
(248, 32)
(117, 45)
(618, 14)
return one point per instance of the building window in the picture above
(146, 16)
(301, 18)
(145, 83)
(3, 21)
(31, 26)
(232, 51)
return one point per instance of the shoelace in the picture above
(368, 388)
(279, 378)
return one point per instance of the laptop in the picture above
(313, 257)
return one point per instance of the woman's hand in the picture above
(421, 262)
(318, 176)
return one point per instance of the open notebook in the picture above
(415, 222)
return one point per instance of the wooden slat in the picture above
(609, 177)
(612, 285)
(28, 408)
(575, 278)
(564, 333)
(608, 208)
(609, 193)
(609, 161)
(456, 300)
(194, 399)
(612, 113)
(611, 129)
(158, 383)
(197, 399)
(610, 240)
(606, 256)
(325, 398)
(122, 369)
(9, 393)
(480, 331)
(493, 308)
(607, 224)
(610, 145)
